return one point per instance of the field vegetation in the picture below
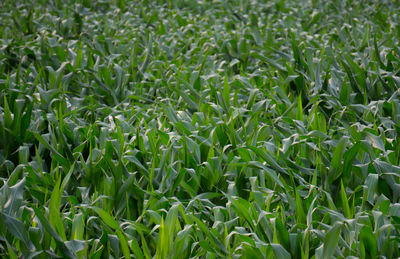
(199, 129)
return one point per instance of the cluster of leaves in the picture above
(199, 129)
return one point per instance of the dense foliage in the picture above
(199, 129)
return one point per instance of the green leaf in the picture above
(106, 217)
(349, 157)
(136, 249)
(124, 244)
(371, 182)
(75, 245)
(376, 141)
(7, 115)
(56, 154)
(49, 229)
(299, 112)
(336, 166)
(47, 225)
(280, 252)
(17, 229)
(11, 252)
(300, 214)
(268, 61)
(377, 53)
(54, 207)
(78, 227)
(282, 233)
(269, 159)
(226, 92)
(13, 197)
(331, 240)
(269, 172)
(346, 207)
(368, 242)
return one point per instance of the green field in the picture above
(200, 129)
